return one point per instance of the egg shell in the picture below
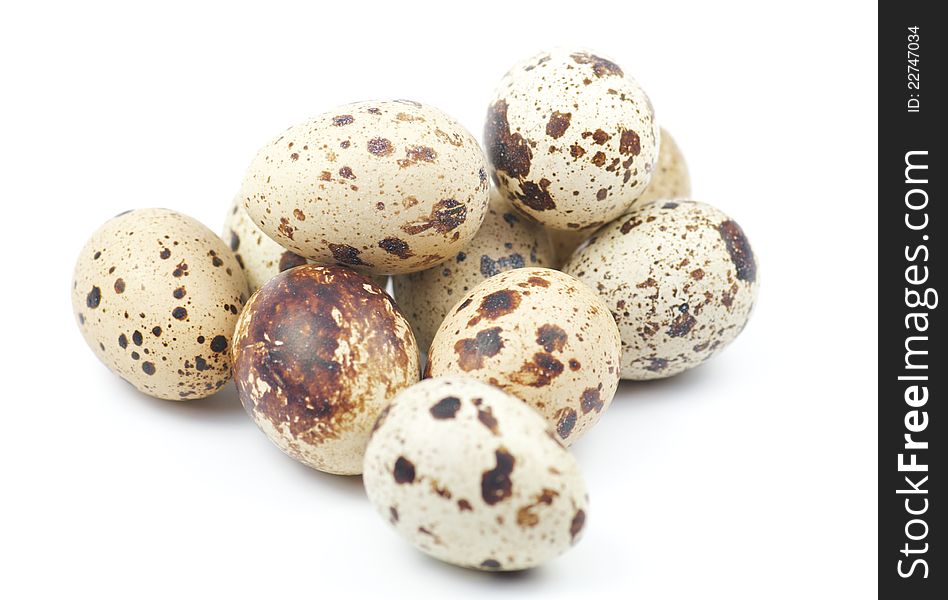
(318, 352)
(540, 335)
(156, 295)
(473, 477)
(669, 180)
(505, 241)
(384, 187)
(680, 278)
(259, 256)
(571, 139)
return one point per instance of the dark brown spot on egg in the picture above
(340, 120)
(156, 331)
(537, 196)
(416, 154)
(574, 364)
(119, 285)
(165, 253)
(123, 341)
(599, 159)
(495, 483)
(576, 526)
(219, 343)
(380, 146)
(299, 214)
(137, 338)
(576, 151)
(490, 563)
(551, 337)
(288, 260)
(591, 400)
(600, 66)
(535, 281)
(657, 365)
(697, 274)
(472, 351)
(526, 517)
(180, 270)
(346, 173)
(486, 416)
(404, 471)
(94, 297)
(508, 152)
(629, 143)
(179, 292)
(602, 194)
(558, 124)
(681, 325)
(446, 408)
(669, 205)
(346, 254)
(294, 156)
(599, 137)
(396, 246)
(234, 241)
(496, 304)
(148, 368)
(566, 422)
(179, 313)
(739, 248)
(464, 505)
(539, 372)
(445, 216)
(393, 514)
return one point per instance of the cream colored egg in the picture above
(384, 187)
(571, 139)
(259, 256)
(680, 278)
(473, 477)
(505, 241)
(318, 352)
(156, 295)
(670, 180)
(540, 335)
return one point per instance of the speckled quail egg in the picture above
(680, 278)
(540, 335)
(259, 256)
(156, 295)
(318, 351)
(571, 139)
(384, 187)
(669, 180)
(473, 477)
(505, 241)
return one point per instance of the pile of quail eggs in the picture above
(583, 264)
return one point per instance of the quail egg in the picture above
(473, 477)
(385, 187)
(156, 295)
(318, 351)
(571, 139)
(680, 278)
(540, 335)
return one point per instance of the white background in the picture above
(751, 477)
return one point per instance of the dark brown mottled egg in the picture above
(384, 187)
(571, 138)
(156, 295)
(474, 477)
(318, 352)
(680, 277)
(540, 335)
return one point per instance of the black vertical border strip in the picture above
(905, 254)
